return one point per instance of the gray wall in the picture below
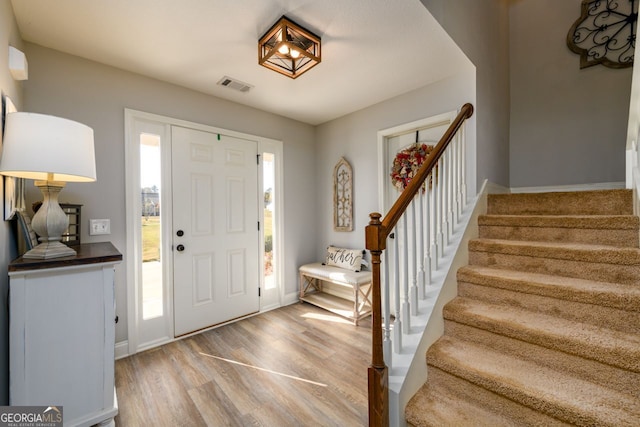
(9, 35)
(355, 137)
(568, 126)
(481, 29)
(94, 94)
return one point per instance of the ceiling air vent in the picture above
(234, 84)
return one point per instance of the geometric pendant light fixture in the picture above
(289, 49)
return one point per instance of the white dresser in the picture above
(62, 334)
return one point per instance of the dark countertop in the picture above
(87, 253)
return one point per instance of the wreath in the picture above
(406, 164)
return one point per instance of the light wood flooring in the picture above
(299, 366)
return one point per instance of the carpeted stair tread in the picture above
(552, 392)
(614, 295)
(622, 222)
(455, 402)
(605, 345)
(593, 314)
(618, 230)
(621, 380)
(448, 410)
(598, 202)
(557, 250)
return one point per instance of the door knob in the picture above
(180, 248)
(180, 233)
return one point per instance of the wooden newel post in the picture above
(376, 238)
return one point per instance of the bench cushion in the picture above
(336, 274)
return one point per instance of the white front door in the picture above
(215, 228)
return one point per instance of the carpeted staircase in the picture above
(546, 326)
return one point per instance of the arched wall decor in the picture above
(343, 196)
(605, 33)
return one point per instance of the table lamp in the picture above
(52, 151)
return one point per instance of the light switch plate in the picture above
(99, 226)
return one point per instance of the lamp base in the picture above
(49, 223)
(48, 250)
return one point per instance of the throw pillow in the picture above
(349, 259)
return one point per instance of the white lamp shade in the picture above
(47, 148)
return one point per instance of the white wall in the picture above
(481, 29)
(96, 95)
(568, 126)
(9, 35)
(355, 137)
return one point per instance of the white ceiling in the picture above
(372, 50)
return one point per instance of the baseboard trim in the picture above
(575, 187)
(290, 298)
(492, 188)
(122, 349)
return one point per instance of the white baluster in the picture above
(412, 257)
(450, 195)
(463, 183)
(427, 245)
(439, 211)
(386, 315)
(421, 244)
(397, 322)
(433, 219)
(406, 319)
(456, 180)
(445, 199)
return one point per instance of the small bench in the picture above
(312, 277)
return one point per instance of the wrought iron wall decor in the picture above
(605, 33)
(343, 196)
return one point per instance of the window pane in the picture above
(150, 179)
(268, 179)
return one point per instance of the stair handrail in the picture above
(376, 234)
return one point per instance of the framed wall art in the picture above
(343, 196)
